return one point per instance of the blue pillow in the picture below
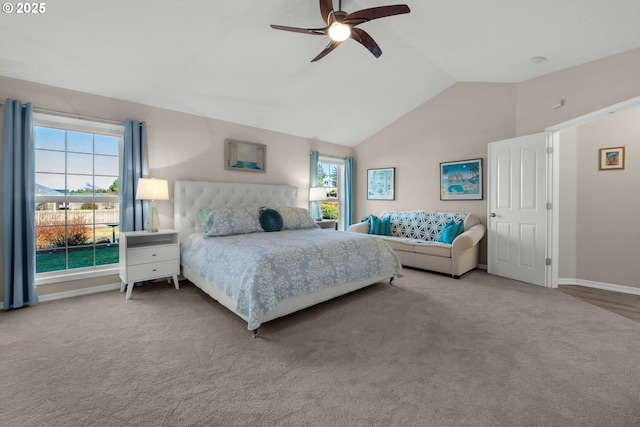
(451, 231)
(271, 220)
(380, 226)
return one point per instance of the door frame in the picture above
(553, 141)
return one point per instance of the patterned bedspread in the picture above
(258, 270)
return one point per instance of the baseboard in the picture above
(78, 292)
(599, 285)
(482, 266)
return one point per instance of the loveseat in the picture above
(415, 237)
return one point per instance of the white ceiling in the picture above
(221, 59)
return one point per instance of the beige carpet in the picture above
(428, 351)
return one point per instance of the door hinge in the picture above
(549, 206)
(547, 261)
(549, 150)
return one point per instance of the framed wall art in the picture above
(244, 156)
(461, 180)
(381, 184)
(611, 158)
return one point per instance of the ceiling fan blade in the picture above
(366, 15)
(326, 50)
(326, 9)
(365, 40)
(319, 31)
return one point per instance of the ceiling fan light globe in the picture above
(339, 32)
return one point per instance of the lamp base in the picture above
(153, 219)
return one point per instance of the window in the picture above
(330, 173)
(77, 171)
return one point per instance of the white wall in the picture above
(455, 125)
(460, 122)
(608, 202)
(181, 146)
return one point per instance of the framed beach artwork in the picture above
(244, 156)
(461, 180)
(381, 184)
(611, 158)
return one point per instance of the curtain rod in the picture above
(73, 116)
(330, 157)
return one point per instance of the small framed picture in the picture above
(244, 156)
(381, 184)
(611, 158)
(461, 180)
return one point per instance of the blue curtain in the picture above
(18, 206)
(349, 192)
(134, 166)
(314, 207)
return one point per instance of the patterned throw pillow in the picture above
(296, 218)
(421, 224)
(228, 221)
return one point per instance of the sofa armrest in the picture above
(468, 239)
(360, 227)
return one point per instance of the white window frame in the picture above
(88, 125)
(340, 164)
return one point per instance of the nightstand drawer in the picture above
(152, 254)
(152, 270)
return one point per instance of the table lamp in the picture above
(317, 194)
(152, 189)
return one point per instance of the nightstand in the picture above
(328, 224)
(148, 256)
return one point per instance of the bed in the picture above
(260, 275)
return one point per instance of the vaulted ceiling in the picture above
(221, 59)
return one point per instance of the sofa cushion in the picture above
(433, 248)
(405, 244)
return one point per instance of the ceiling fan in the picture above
(342, 25)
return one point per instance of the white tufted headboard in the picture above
(191, 196)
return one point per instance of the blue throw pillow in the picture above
(271, 220)
(451, 231)
(380, 226)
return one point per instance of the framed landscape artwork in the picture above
(612, 158)
(244, 156)
(461, 180)
(381, 184)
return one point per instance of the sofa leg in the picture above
(391, 280)
(455, 277)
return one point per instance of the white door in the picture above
(517, 209)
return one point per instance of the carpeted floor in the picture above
(426, 351)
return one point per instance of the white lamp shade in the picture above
(152, 189)
(317, 194)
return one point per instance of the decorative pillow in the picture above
(451, 231)
(366, 219)
(228, 221)
(271, 220)
(380, 226)
(296, 218)
(202, 217)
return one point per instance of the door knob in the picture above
(492, 214)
